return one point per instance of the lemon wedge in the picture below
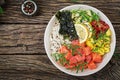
(90, 29)
(82, 32)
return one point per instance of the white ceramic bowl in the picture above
(86, 72)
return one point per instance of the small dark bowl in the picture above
(29, 7)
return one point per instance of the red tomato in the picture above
(68, 55)
(103, 26)
(94, 23)
(92, 65)
(87, 50)
(75, 42)
(96, 57)
(73, 60)
(63, 49)
(88, 58)
(99, 26)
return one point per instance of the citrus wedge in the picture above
(82, 32)
(89, 27)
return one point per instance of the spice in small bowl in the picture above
(29, 7)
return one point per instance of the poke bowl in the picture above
(79, 40)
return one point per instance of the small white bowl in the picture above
(23, 6)
(106, 57)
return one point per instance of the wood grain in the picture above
(32, 67)
(22, 39)
(22, 53)
(48, 8)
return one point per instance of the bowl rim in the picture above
(46, 38)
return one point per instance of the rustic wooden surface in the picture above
(22, 53)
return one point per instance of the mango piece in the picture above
(101, 51)
(108, 33)
(88, 43)
(106, 49)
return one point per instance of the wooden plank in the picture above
(32, 67)
(29, 38)
(47, 9)
(22, 39)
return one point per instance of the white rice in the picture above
(56, 39)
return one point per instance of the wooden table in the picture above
(22, 53)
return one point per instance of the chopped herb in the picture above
(66, 37)
(80, 65)
(94, 34)
(82, 69)
(95, 49)
(79, 53)
(77, 68)
(101, 35)
(84, 16)
(60, 57)
(73, 48)
(57, 56)
(95, 16)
